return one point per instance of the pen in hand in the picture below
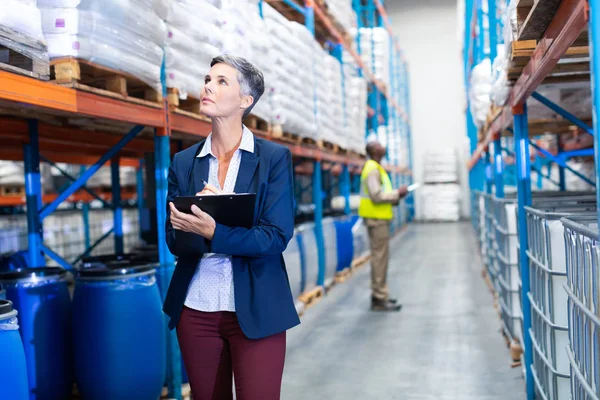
(208, 189)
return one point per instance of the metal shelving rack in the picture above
(570, 20)
(160, 129)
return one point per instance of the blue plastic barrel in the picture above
(13, 367)
(309, 252)
(331, 252)
(118, 333)
(41, 297)
(293, 265)
(345, 245)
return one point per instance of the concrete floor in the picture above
(445, 344)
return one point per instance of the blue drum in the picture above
(331, 252)
(309, 250)
(344, 239)
(293, 265)
(118, 333)
(41, 297)
(13, 368)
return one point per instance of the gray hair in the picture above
(251, 79)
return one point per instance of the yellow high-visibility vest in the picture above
(368, 209)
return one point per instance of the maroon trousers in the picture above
(213, 347)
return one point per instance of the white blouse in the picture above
(211, 288)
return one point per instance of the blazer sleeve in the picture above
(275, 226)
(181, 243)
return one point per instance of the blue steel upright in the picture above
(166, 259)
(594, 40)
(498, 169)
(85, 213)
(116, 205)
(345, 189)
(317, 195)
(524, 199)
(33, 196)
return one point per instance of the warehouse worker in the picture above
(376, 208)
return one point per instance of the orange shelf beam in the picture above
(80, 196)
(46, 95)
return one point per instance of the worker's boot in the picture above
(384, 305)
(390, 299)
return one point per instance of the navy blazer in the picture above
(263, 299)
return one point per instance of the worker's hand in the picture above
(209, 190)
(199, 222)
(403, 191)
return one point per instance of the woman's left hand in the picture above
(199, 222)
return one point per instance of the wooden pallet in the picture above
(360, 261)
(186, 392)
(577, 70)
(312, 297)
(515, 351)
(534, 16)
(91, 77)
(288, 137)
(12, 61)
(343, 276)
(325, 145)
(309, 141)
(19, 63)
(256, 123)
(12, 190)
(190, 105)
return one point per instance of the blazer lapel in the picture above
(200, 172)
(246, 173)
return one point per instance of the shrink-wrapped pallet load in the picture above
(124, 35)
(336, 101)
(292, 59)
(21, 39)
(193, 38)
(375, 51)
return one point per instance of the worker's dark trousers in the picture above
(213, 346)
(379, 238)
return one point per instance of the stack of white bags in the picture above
(21, 31)
(126, 35)
(441, 192)
(193, 38)
(355, 95)
(343, 12)
(375, 51)
(335, 105)
(292, 59)
(22, 16)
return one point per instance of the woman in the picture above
(229, 296)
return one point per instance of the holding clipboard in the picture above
(233, 210)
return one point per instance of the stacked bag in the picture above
(355, 96)
(193, 38)
(125, 35)
(334, 104)
(292, 58)
(343, 13)
(441, 192)
(21, 31)
(375, 51)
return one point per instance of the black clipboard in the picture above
(233, 210)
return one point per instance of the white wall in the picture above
(428, 35)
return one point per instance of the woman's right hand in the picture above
(209, 190)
